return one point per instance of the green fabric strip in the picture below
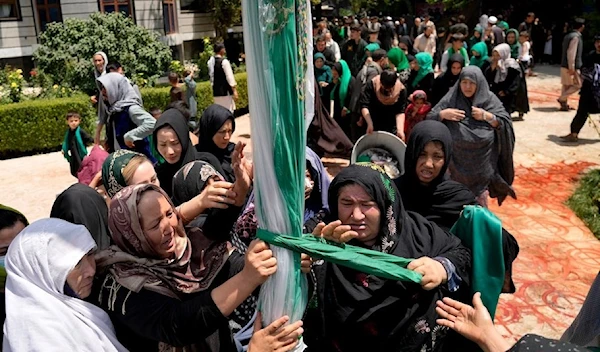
(79, 142)
(481, 231)
(382, 265)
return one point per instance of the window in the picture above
(9, 10)
(194, 5)
(123, 6)
(48, 11)
(169, 16)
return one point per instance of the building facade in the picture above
(181, 23)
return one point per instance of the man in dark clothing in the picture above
(460, 27)
(364, 28)
(386, 33)
(321, 47)
(373, 68)
(527, 25)
(571, 62)
(587, 103)
(353, 50)
(402, 28)
(233, 48)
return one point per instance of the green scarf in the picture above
(482, 50)
(515, 48)
(481, 231)
(80, 146)
(398, 58)
(463, 52)
(425, 61)
(343, 82)
(112, 170)
(503, 25)
(372, 47)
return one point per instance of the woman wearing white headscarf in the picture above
(50, 267)
(507, 80)
(100, 61)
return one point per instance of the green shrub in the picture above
(159, 97)
(585, 202)
(66, 49)
(40, 124)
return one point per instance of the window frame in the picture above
(172, 6)
(115, 3)
(46, 7)
(206, 10)
(17, 5)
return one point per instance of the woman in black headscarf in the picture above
(483, 137)
(217, 125)
(445, 81)
(426, 189)
(82, 205)
(172, 141)
(359, 312)
(406, 45)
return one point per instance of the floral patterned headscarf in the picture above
(134, 263)
(112, 170)
(191, 179)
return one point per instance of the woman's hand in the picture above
(335, 231)
(243, 179)
(97, 180)
(479, 114)
(260, 263)
(217, 194)
(323, 84)
(434, 273)
(275, 337)
(401, 135)
(345, 112)
(305, 263)
(370, 128)
(452, 114)
(501, 93)
(474, 323)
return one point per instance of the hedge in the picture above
(39, 125)
(585, 201)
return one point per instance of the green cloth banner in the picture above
(382, 265)
(481, 231)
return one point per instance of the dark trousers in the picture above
(580, 118)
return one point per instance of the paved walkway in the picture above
(559, 256)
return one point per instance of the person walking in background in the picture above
(190, 95)
(456, 48)
(333, 46)
(587, 102)
(321, 47)
(176, 93)
(222, 79)
(100, 62)
(232, 47)
(415, 29)
(75, 142)
(570, 75)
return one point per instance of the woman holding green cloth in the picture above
(324, 77)
(345, 96)
(480, 56)
(399, 62)
(512, 39)
(354, 311)
(421, 77)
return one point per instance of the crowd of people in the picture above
(156, 249)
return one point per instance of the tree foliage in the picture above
(67, 48)
(226, 13)
(452, 4)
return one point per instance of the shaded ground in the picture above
(559, 256)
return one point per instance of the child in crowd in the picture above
(524, 55)
(155, 112)
(416, 111)
(75, 142)
(175, 92)
(548, 47)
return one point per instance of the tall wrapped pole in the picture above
(278, 47)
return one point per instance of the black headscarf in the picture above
(483, 155)
(363, 311)
(82, 205)
(211, 121)
(409, 43)
(173, 118)
(191, 179)
(446, 81)
(442, 200)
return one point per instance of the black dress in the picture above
(383, 116)
(426, 84)
(514, 88)
(145, 320)
(347, 122)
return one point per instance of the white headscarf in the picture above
(505, 63)
(39, 316)
(96, 73)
